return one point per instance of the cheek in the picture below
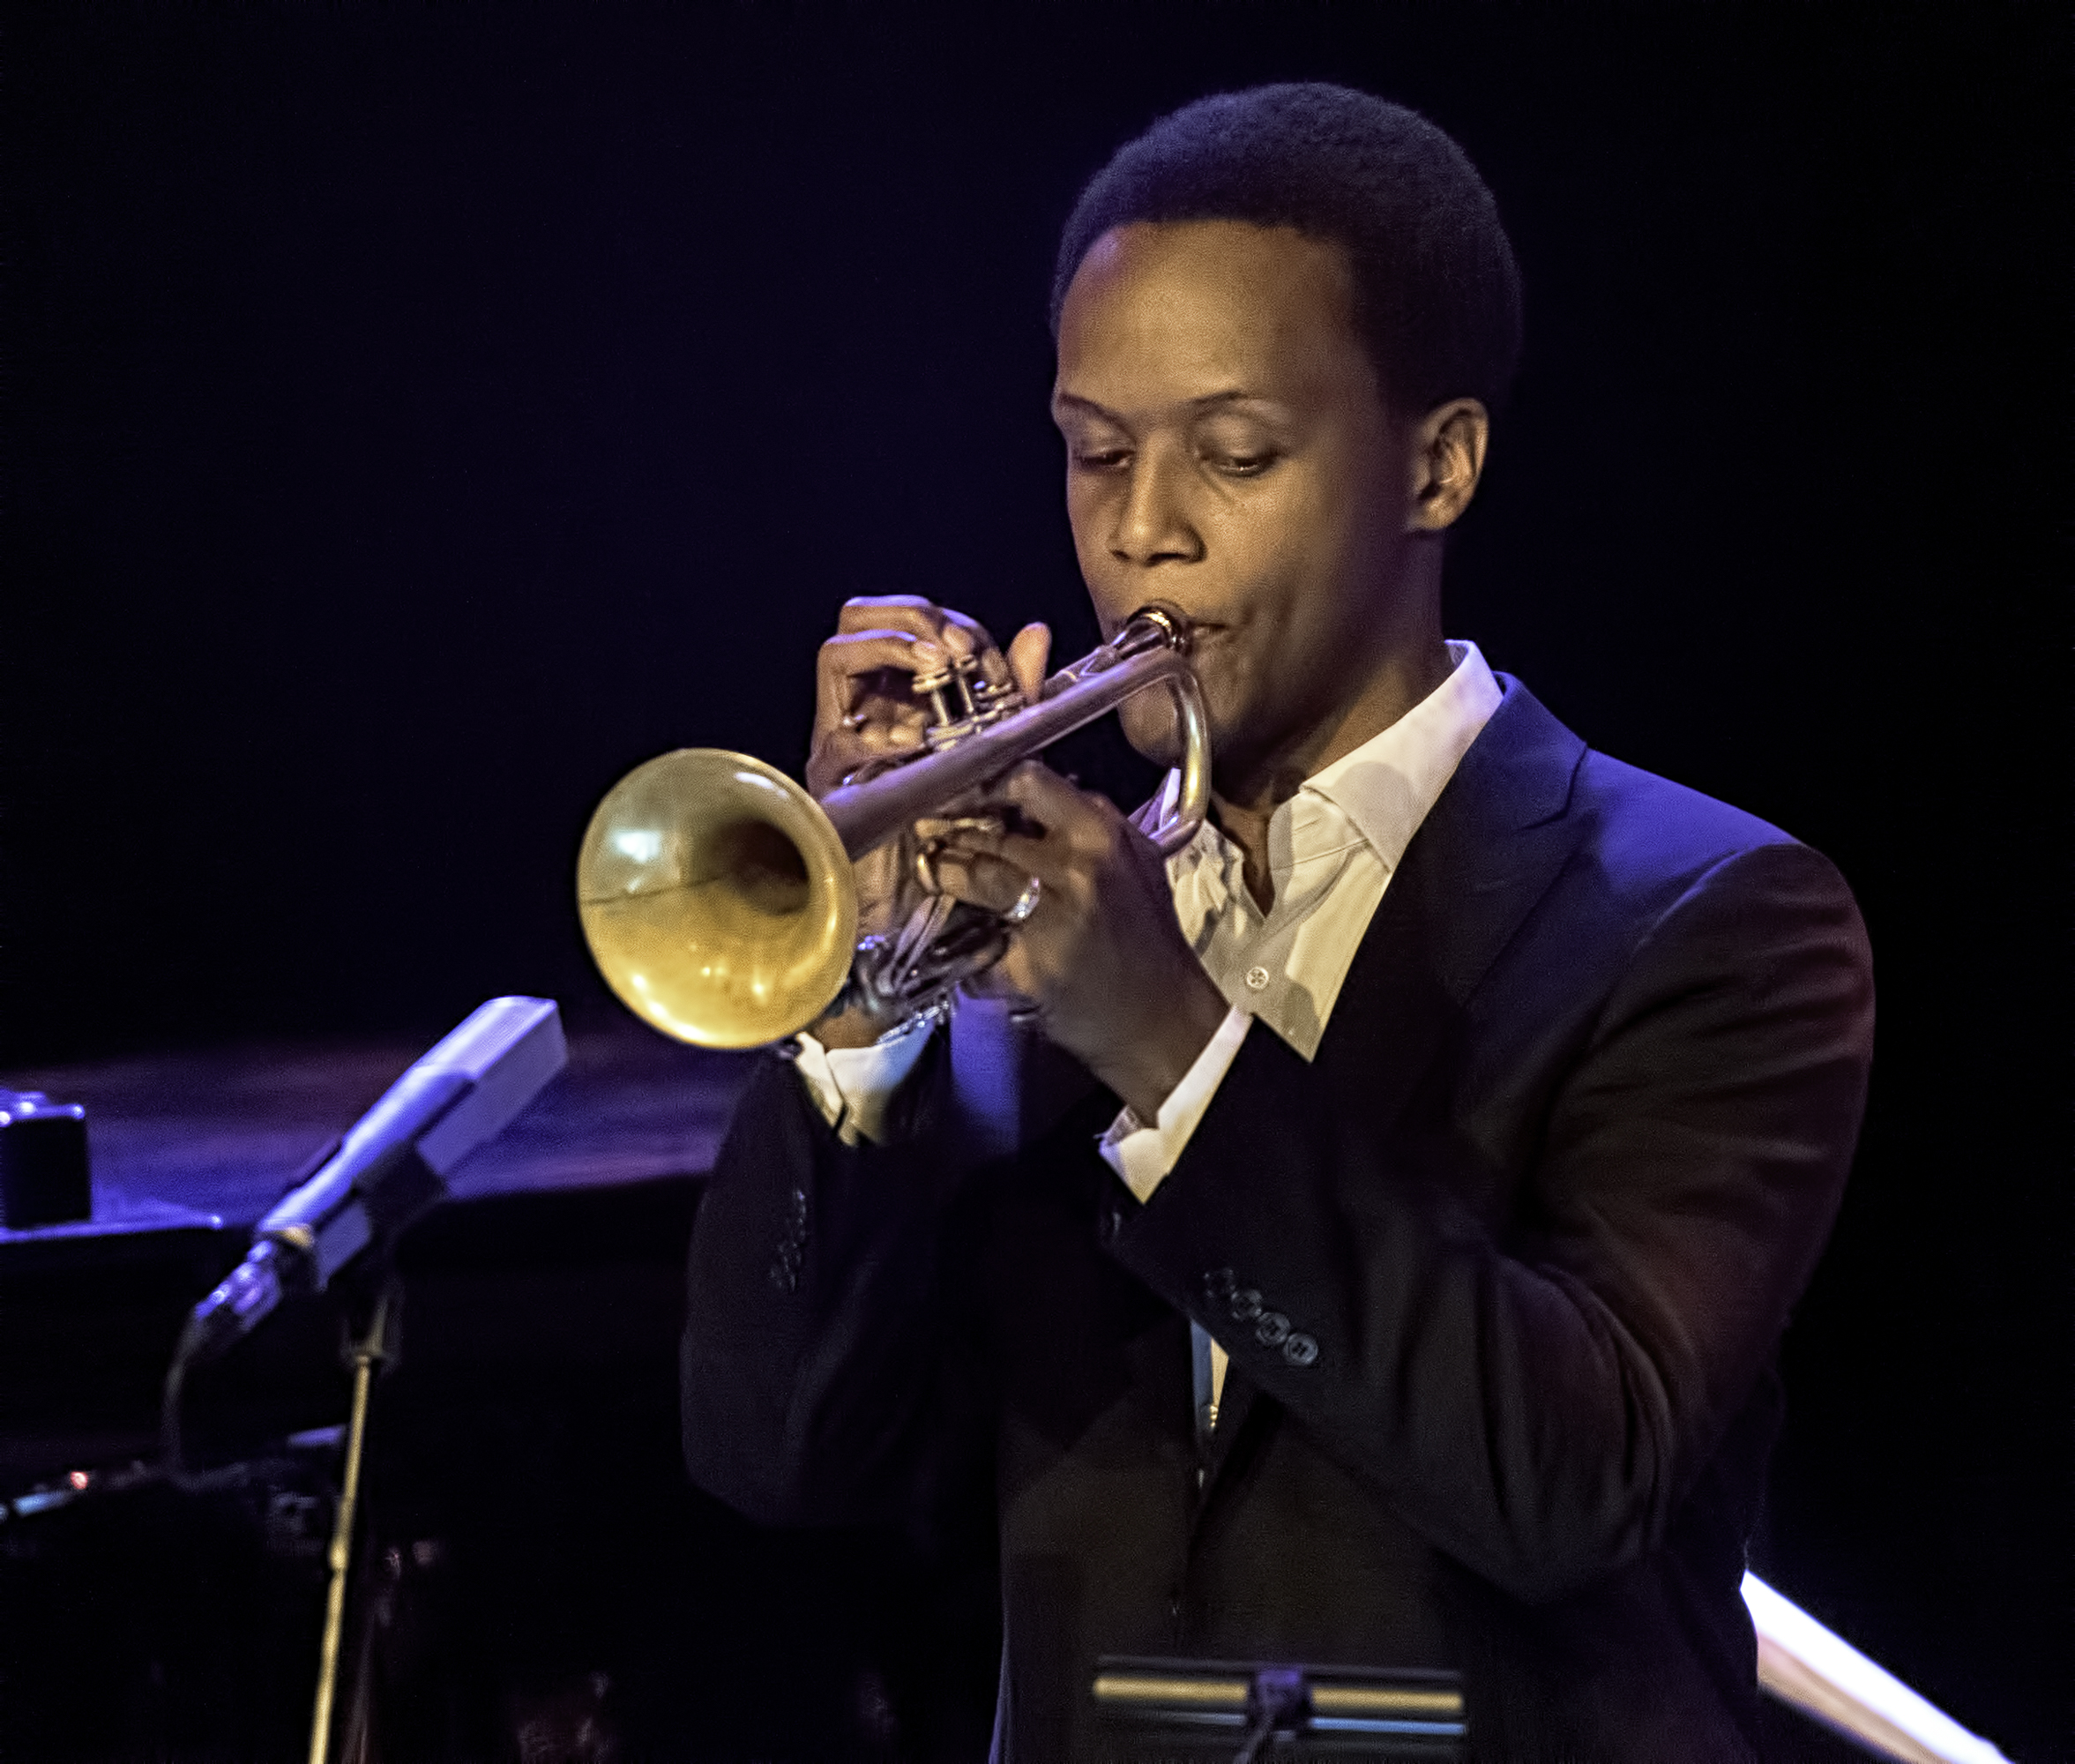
(1312, 569)
(1231, 674)
(1086, 512)
(1149, 724)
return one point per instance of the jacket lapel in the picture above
(1488, 850)
(1486, 853)
(1495, 841)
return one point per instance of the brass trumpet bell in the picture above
(717, 899)
(718, 896)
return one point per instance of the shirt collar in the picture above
(1386, 786)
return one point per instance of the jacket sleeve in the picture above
(1538, 1404)
(811, 1368)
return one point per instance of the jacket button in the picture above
(1300, 1350)
(1272, 1329)
(1219, 1282)
(1244, 1304)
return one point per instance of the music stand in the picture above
(1232, 1712)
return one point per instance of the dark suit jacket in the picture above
(1502, 1273)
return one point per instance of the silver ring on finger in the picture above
(855, 720)
(1025, 903)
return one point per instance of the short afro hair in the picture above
(1437, 291)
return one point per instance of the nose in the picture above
(1152, 524)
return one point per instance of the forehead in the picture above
(1190, 308)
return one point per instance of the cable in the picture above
(171, 1450)
(1277, 1698)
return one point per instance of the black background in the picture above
(416, 419)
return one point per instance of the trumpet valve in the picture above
(992, 703)
(949, 691)
(961, 701)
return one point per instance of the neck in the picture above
(1248, 791)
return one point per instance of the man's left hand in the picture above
(1100, 960)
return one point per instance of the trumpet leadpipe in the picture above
(866, 815)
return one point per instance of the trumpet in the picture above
(716, 895)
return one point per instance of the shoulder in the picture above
(1691, 874)
(1645, 831)
(1620, 863)
(1644, 834)
(1665, 902)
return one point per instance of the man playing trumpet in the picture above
(1371, 1245)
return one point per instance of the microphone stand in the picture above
(387, 1169)
(366, 1356)
(1277, 1699)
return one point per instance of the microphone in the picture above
(390, 1167)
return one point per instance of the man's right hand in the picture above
(864, 710)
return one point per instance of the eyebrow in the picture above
(1209, 401)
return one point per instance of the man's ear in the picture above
(1447, 460)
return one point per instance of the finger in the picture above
(858, 652)
(887, 734)
(980, 877)
(846, 659)
(911, 613)
(840, 753)
(994, 666)
(876, 703)
(880, 699)
(1070, 838)
(1028, 651)
(1000, 981)
(958, 633)
(1081, 818)
(879, 726)
(1048, 825)
(871, 706)
(847, 748)
(937, 828)
(927, 621)
(1052, 861)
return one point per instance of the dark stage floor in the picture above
(536, 1566)
(538, 1580)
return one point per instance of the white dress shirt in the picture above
(1333, 848)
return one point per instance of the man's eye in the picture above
(1242, 464)
(1100, 458)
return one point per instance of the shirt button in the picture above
(1256, 978)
